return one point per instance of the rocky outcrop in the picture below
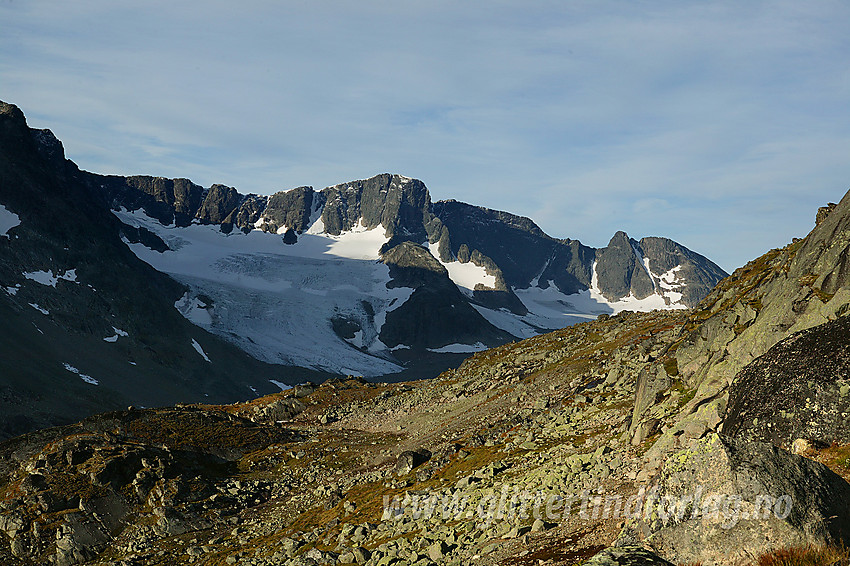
(219, 205)
(787, 290)
(799, 389)
(723, 501)
(694, 276)
(516, 244)
(171, 201)
(291, 210)
(399, 204)
(410, 459)
(89, 482)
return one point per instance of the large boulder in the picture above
(799, 389)
(726, 500)
(410, 459)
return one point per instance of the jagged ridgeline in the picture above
(461, 277)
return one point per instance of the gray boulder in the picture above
(409, 459)
(726, 500)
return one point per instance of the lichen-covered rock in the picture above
(799, 389)
(725, 500)
(785, 291)
(410, 459)
(652, 381)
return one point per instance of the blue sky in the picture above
(722, 125)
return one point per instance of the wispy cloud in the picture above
(722, 125)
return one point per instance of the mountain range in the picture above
(144, 290)
(712, 430)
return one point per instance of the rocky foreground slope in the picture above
(616, 441)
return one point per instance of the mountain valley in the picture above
(625, 405)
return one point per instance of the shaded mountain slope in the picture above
(70, 283)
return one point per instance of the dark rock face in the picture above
(168, 200)
(524, 253)
(628, 267)
(800, 388)
(291, 209)
(399, 204)
(249, 212)
(517, 245)
(697, 273)
(823, 212)
(620, 270)
(412, 266)
(219, 205)
(437, 313)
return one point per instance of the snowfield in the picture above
(277, 301)
(549, 308)
(465, 275)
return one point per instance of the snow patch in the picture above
(38, 308)
(357, 341)
(283, 386)
(87, 378)
(49, 279)
(194, 310)
(317, 225)
(13, 290)
(460, 348)
(670, 285)
(359, 243)
(200, 350)
(118, 333)
(8, 220)
(465, 275)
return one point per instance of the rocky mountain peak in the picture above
(400, 204)
(621, 271)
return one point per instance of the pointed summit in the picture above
(621, 271)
